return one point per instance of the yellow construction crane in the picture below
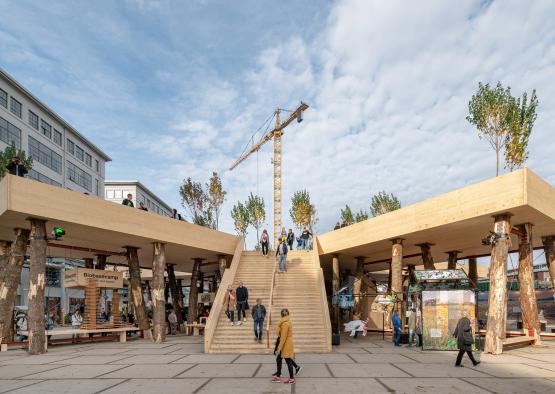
(276, 134)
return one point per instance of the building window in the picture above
(46, 129)
(52, 277)
(97, 188)
(37, 176)
(9, 133)
(15, 107)
(119, 194)
(97, 166)
(109, 194)
(45, 155)
(3, 98)
(79, 152)
(79, 177)
(88, 159)
(70, 146)
(33, 120)
(57, 137)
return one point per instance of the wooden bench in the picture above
(519, 340)
(195, 327)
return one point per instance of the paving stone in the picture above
(431, 358)
(245, 386)
(220, 371)
(439, 370)
(7, 385)
(90, 360)
(339, 385)
(69, 386)
(189, 349)
(103, 352)
(365, 371)
(148, 371)
(148, 386)
(17, 371)
(381, 358)
(549, 366)
(514, 371)
(308, 371)
(323, 358)
(145, 359)
(256, 359)
(150, 351)
(516, 386)
(430, 385)
(392, 350)
(547, 357)
(36, 360)
(207, 359)
(74, 372)
(349, 350)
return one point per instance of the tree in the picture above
(347, 216)
(256, 212)
(196, 200)
(302, 212)
(216, 197)
(383, 203)
(8, 154)
(240, 216)
(490, 110)
(522, 118)
(361, 216)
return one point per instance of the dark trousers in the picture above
(230, 314)
(290, 245)
(258, 324)
(264, 248)
(461, 354)
(290, 364)
(241, 308)
(397, 337)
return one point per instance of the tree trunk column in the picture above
(4, 254)
(334, 289)
(497, 301)
(101, 261)
(427, 257)
(473, 272)
(397, 273)
(528, 304)
(177, 301)
(193, 292)
(9, 280)
(37, 273)
(135, 288)
(358, 285)
(89, 263)
(452, 259)
(222, 263)
(549, 248)
(159, 301)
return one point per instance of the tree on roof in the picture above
(383, 203)
(216, 197)
(522, 118)
(240, 216)
(8, 154)
(302, 212)
(361, 216)
(347, 216)
(257, 213)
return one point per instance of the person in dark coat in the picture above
(242, 295)
(465, 340)
(15, 167)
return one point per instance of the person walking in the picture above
(15, 167)
(76, 321)
(412, 327)
(229, 300)
(396, 320)
(305, 236)
(242, 295)
(264, 242)
(128, 201)
(285, 349)
(290, 239)
(465, 340)
(281, 252)
(258, 316)
(172, 319)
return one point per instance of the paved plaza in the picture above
(368, 365)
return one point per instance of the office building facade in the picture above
(116, 191)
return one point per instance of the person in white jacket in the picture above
(76, 321)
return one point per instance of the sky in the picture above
(177, 89)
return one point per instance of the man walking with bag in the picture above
(281, 252)
(258, 316)
(242, 295)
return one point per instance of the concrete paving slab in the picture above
(516, 386)
(431, 358)
(17, 371)
(514, 371)
(431, 385)
(207, 359)
(323, 358)
(548, 366)
(74, 372)
(144, 351)
(4, 359)
(365, 371)
(392, 349)
(547, 357)
(349, 350)
(256, 359)
(244, 386)
(36, 360)
(7, 385)
(221, 371)
(145, 359)
(69, 386)
(103, 351)
(308, 371)
(189, 349)
(380, 358)
(339, 385)
(148, 386)
(440, 370)
(154, 371)
(504, 359)
(90, 360)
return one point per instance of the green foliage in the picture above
(8, 154)
(257, 213)
(383, 203)
(240, 216)
(196, 200)
(302, 212)
(361, 216)
(347, 216)
(522, 118)
(216, 197)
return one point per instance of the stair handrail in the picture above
(323, 295)
(218, 304)
(270, 306)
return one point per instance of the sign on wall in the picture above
(79, 277)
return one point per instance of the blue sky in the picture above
(172, 89)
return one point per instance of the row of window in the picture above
(15, 106)
(150, 205)
(37, 176)
(9, 133)
(80, 177)
(80, 154)
(45, 155)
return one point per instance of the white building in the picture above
(116, 191)
(61, 155)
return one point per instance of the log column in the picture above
(135, 288)
(4, 254)
(497, 301)
(101, 261)
(222, 263)
(177, 301)
(473, 272)
(427, 257)
(9, 280)
(334, 288)
(397, 274)
(193, 292)
(35, 297)
(89, 263)
(528, 304)
(158, 284)
(549, 248)
(452, 259)
(358, 285)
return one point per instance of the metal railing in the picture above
(270, 306)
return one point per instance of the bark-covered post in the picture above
(148, 291)
(497, 301)
(549, 248)
(427, 257)
(4, 255)
(358, 285)
(89, 262)
(452, 259)
(177, 301)
(181, 296)
(9, 280)
(334, 289)
(473, 272)
(222, 263)
(35, 296)
(135, 288)
(397, 272)
(159, 301)
(528, 304)
(193, 292)
(101, 261)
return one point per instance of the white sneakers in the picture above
(245, 319)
